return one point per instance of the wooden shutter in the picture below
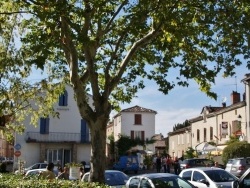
(137, 119)
(143, 135)
(132, 134)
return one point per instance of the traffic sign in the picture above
(17, 153)
(17, 146)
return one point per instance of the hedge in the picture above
(9, 180)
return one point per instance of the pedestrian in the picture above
(158, 163)
(176, 165)
(164, 164)
(48, 173)
(168, 163)
(81, 170)
(65, 174)
(216, 164)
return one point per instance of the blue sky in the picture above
(181, 103)
(186, 103)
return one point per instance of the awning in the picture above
(205, 147)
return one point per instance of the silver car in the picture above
(237, 166)
(158, 180)
(212, 177)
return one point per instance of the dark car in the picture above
(158, 180)
(113, 178)
(195, 162)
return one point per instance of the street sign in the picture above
(17, 153)
(17, 146)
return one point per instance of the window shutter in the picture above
(46, 125)
(143, 135)
(61, 100)
(42, 126)
(84, 131)
(65, 98)
(132, 135)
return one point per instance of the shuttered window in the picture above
(138, 119)
(44, 125)
(85, 133)
(63, 99)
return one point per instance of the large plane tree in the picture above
(108, 48)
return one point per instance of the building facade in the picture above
(135, 122)
(215, 124)
(59, 140)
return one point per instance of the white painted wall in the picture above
(69, 122)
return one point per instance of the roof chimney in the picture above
(235, 97)
(224, 105)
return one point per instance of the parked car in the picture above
(243, 182)
(4, 160)
(229, 165)
(212, 177)
(34, 166)
(195, 162)
(238, 165)
(10, 160)
(127, 163)
(34, 172)
(113, 178)
(158, 180)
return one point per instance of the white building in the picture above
(135, 122)
(64, 140)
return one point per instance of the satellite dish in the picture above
(224, 99)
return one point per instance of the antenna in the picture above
(236, 82)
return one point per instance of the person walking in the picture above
(176, 165)
(164, 164)
(65, 174)
(168, 163)
(158, 163)
(48, 173)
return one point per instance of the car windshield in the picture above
(220, 176)
(177, 182)
(115, 178)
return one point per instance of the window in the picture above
(44, 125)
(187, 175)
(205, 134)
(198, 135)
(211, 133)
(178, 139)
(134, 182)
(63, 99)
(137, 135)
(182, 138)
(198, 176)
(138, 119)
(145, 184)
(85, 133)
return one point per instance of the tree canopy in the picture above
(107, 48)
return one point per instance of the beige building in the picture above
(215, 124)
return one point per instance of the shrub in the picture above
(8, 180)
(236, 149)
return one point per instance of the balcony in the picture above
(56, 137)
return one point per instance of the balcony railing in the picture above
(54, 137)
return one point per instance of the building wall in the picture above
(69, 122)
(179, 143)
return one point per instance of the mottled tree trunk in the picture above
(98, 157)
